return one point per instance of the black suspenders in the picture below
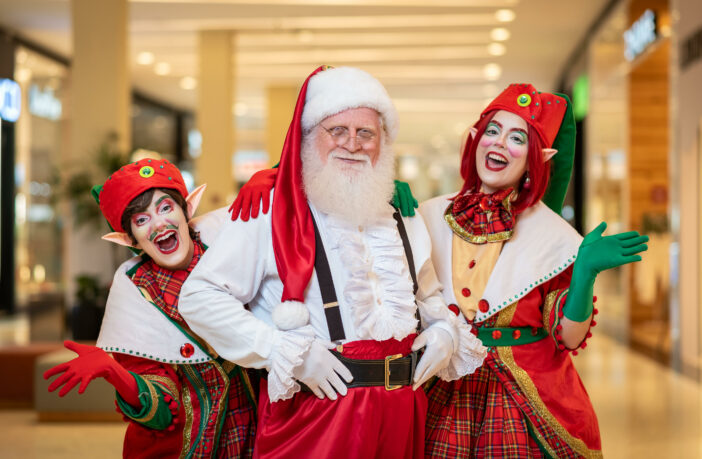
(326, 284)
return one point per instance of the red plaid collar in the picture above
(480, 218)
(163, 284)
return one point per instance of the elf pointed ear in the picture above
(548, 153)
(119, 238)
(473, 131)
(193, 199)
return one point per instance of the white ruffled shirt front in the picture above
(371, 277)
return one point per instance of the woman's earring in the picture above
(527, 181)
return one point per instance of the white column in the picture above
(100, 105)
(215, 118)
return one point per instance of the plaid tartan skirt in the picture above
(237, 436)
(485, 415)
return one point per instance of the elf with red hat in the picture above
(180, 398)
(521, 277)
(341, 292)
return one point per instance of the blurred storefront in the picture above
(43, 180)
(627, 97)
(41, 139)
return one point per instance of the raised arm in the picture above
(596, 254)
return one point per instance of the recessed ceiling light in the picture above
(505, 15)
(492, 71)
(188, 83)
(496, 49)
(499, 34)
(145, 58)
(241, 109)
(162, 68)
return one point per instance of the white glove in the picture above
(319, 372)
(437, 355)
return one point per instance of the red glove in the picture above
(256, 191)
(91, 363)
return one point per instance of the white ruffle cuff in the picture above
(288, 349)
(468, 355)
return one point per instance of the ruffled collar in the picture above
(480, 218)
(379, 288)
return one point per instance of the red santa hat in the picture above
(133, 179)
(326, 92)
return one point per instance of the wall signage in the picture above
(10, 100)
(691, 49)
(640, 35)
(42, 103)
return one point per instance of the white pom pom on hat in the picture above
(289, 315)
(341, 88)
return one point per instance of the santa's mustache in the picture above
(341, 154)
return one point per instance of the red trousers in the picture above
(369, 422)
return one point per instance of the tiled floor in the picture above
(645, 411)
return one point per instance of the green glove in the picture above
(597, 253)
(402, 199)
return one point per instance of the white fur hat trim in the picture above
(337, 89)
(290, 315)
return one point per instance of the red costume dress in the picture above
(527, 399)
(196, 405)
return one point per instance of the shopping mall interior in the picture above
(210, 85)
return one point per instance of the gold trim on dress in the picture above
(166, 382)
(549, 302)
(529, 389)
(466, 236)
(154, 403)
(187, 429)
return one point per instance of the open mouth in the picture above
(495, 161)
(167, 242)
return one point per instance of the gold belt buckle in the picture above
(389, 359)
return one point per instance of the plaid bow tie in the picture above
(485, 217)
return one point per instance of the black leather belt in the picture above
(393, 372)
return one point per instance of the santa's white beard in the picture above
(358, 193)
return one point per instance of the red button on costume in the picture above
(483, 305)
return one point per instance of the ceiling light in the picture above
(505, 15)
(162, 68)
(145, 58)
(188, 83)
(499, 34)
(241, 109)
(496, 49)
(492, 71)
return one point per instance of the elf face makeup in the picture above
(501, 154)
(161, 231)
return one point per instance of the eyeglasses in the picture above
(341, 135)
